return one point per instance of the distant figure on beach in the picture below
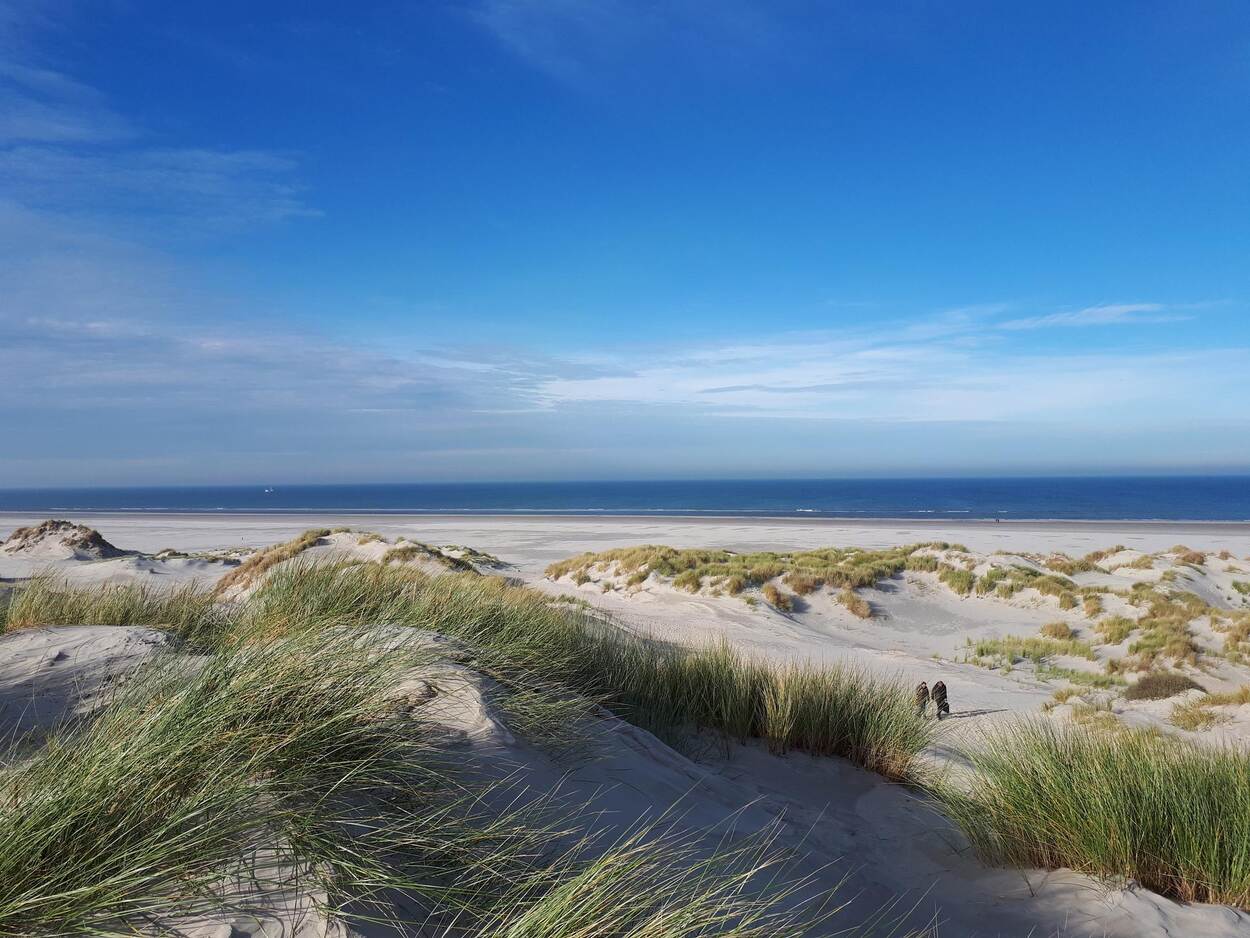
(939, 700)
(922, 698)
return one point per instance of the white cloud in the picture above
(39, 104)
(1109, 314)
(63, 147)
(577, 40)
(891, 375)
(190, 188)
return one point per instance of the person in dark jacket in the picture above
(940, 701)
(922, 698)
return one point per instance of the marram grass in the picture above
(189, 611)
(1118, 804)
(283, 754)
(203, 777)
(521, 637)
(516, 631)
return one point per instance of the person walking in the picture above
(922, 698)
(939, 700)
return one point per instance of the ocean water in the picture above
(1188, 498)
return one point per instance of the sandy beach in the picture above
(542, 538)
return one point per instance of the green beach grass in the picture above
(279, 752)
(188, 611)
(520, 636)
(665, 689)
(803, 571)
(1117, 804)
(206, 787)
(167, 752)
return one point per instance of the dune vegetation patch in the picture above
(1118, 804)
(1069, 566)
(855, 604)
(718, 571)
(775, 597)
(1202, 713)
(1160, 685)
(474, 556)
(1057, 630)
(1014, 648)
(414, 551)
(189, 611)
(1236, 629)
(1115, 629)
(1095, 679)
(959, 580)
(288, 754)
(1006, 581)
(1165, 631)
(261, 562)
(1186, 555)
(1193, 716)
(285, 767)
(78, 539)
(668, 690)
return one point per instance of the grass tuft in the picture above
(855, 604)
(1015, 648)
(206, 777)
(1123, 804)
(1059, 630)
(1160, 685)
(188, 611)
(776, 598)
(261, 562)
(1115, 629)
(960, 581)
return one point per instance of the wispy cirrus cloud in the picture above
(64, 147)
(1104, 315)
(40, 103)
(945, 368)
(575, 40)
(202, 189)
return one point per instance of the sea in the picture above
(1118, 498)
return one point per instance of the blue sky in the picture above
(545, 239)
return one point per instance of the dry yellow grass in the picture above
(1195, 716)
(855, 604)
(248, 572)
(1058, 630)
(1114, 629)
(777, 598)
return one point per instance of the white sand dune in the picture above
(882, 843)
(887, 842)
